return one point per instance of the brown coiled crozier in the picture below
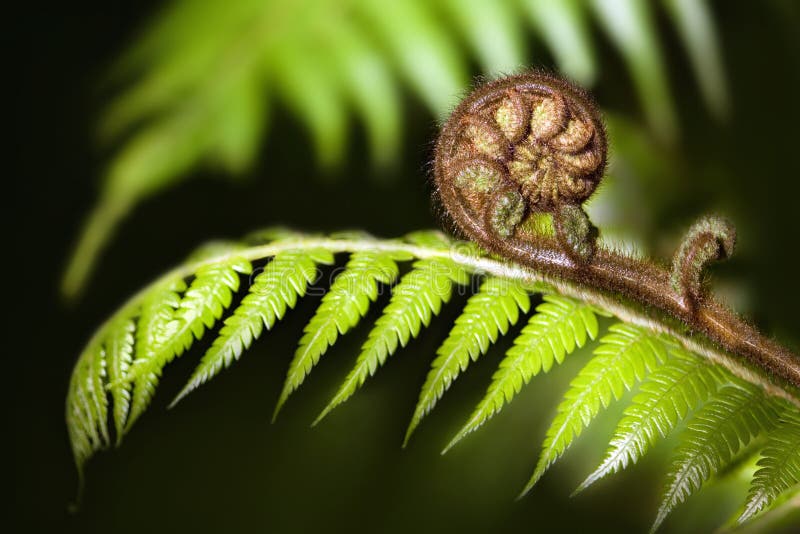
(520, 146)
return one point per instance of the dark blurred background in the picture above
(215, 463)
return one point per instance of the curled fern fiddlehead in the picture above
(709, 239)
(521, 146)
(533, 145)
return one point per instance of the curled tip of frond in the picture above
(710, 239)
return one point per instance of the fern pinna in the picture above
(721, 408)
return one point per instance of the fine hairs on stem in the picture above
(533, 145)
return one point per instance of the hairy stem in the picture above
(643, 282)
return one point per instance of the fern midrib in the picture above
(605, 300)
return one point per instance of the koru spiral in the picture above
(519, 146)
(532, 146)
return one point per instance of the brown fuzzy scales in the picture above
(537, 141)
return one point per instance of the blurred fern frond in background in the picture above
(722, 411)
(197, 86)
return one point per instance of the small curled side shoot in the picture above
(708, 240)
(575, 232)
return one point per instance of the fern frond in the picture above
(208, 296)
(558, 327)
(79, 426)
(491, 31)
(695, 24)
(631, 27)
(118, 372)
(85, 421)
(341, 309)
(370, 85)
(663, 401)
(730, 421)
(564, 26)
(119, 356)
(783, 512)
(419, 296)
(624, 357)
(488, 313)
(158, 310)
(284, 279)
(779, 465)
(202, 304)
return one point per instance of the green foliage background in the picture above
(215, 462)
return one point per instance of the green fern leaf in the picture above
(174, 323)
(419, 296)
(307, 84)
(276, 288)
(163, 320)
(694, 22)
(85, 410)
(241, 121)
(119, 356)
(79, 426)
(624, 357)
(424, 52)
(158, 310)
(630, 26)
(784, 511)
(96, 391)
(208, 296)
(559, 326)
(369, 84)
(488, 313)
(341, 309)
(664, 399)
(779, 465)
(564, 27)
(492, 31)
(729, 422)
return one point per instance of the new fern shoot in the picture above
(513, 166)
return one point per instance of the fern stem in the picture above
(533, 145)
(730, 342)
(608, 276)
